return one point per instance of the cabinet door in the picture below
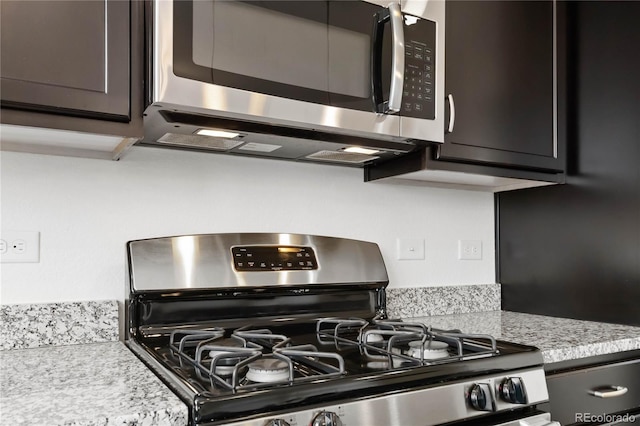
(601, 390)
(501, 73)
(69, 57)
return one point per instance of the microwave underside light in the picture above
(216, 133)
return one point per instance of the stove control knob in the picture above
(512, 390)
(277, 422)
(481, 398)
(326, 418)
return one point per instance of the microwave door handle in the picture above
(393, 15)
(397, 58)
(380, 19)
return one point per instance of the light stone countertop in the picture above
(559, 339)
(104, 383)
(87, 384)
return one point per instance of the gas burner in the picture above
(225, 366)
(268, 370)
(374, 338)
(431, 349)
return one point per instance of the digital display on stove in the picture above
(273, 258)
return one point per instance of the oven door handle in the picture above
(392, 14)
(609, 391)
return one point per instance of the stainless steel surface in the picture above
(176, 93)
(433, 406)
(205, 261)
(610, 392)
(452, 114)
(397, 58)
(206, 98)
(431, 130)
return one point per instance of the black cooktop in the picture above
(362, 377)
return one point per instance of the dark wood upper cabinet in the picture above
(504, 72)
(66, 56)
(73, 65)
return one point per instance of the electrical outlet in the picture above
(20, 246)
(469, 249)
(410, 248)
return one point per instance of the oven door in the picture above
(320, 64)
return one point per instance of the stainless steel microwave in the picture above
(348, 81)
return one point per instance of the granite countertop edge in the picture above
(559, 339)
(72, 390)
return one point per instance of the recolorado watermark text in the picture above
(605, 418)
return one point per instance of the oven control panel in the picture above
(445, 404)
(273, 258)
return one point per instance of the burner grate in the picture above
(226, 366)
(230, 362)
(392, 341)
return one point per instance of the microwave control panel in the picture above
(273, 258)
(418, 97)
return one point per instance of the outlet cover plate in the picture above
(19, 246)
(470, 249)
(410, 248)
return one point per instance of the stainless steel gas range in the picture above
(290, 329)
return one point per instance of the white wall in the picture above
(87, 209)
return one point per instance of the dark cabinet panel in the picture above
(70, 56)
(73, 65)
(579, 396)
(501, 74)
(574, 250)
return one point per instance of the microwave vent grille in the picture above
(198, 141)
(340, 156)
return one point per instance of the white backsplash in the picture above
(86, 209)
